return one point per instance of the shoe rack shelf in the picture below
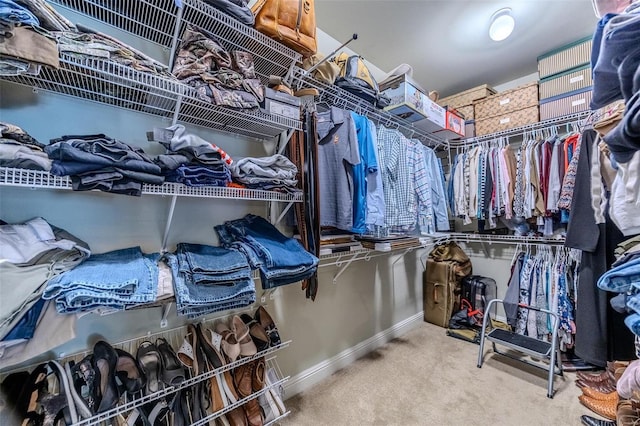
(41, 179)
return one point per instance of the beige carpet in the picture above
(428, 378)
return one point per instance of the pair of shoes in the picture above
(236, 339)
(603, 387)
(249, 378)
(592, 421)
(604, 408)
(592, 393)
(628, 413)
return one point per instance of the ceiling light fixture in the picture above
(502, 24)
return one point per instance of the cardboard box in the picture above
(468, 97)
(279, 103)
(506, 102)
(407, 101)
(439, 121)
(508, 121)
(565, 58)
(566, 82)
(570, 103)
(465, 111)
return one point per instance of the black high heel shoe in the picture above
(105, 359)
(172, 372)
(151, 364)
(132, 379)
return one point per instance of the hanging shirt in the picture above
(368, 165)
(553, 190)
(375, 192)
(435, 175)
(337, 154)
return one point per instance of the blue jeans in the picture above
(114, 279)
(27, 324)
(621, 278)
(191, 175)
(633, 323)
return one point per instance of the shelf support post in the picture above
(176, 35)
(167, 227)
(284, 212)
(165, 313)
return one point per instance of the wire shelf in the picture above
(41, 179)
(107, 82)
(336, 96)
(461, 237)
(575, 118)
(155, 20)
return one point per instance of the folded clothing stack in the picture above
(18, 149)
(114, 280)
(191, 160)
(218, 76)
(280, 259)
(275, 173)
(104, 163)
(210, 279)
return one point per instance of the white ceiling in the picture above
(447, 42)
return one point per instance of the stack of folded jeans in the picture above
(114, 280)
(101, 162)
(624, 278)
(281, 260)
(275, 173)
(218, 76)
(210, 279)
(191, 160)
(31, 254)
(18, 149)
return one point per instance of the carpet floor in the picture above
(428, 378)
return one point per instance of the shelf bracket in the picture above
(344, 267)
(284, 212)
(165, 314)
(287, 137)
(485, 249)
(172, 209)
(268, 294)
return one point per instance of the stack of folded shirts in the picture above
(275, 173)
(210, 279)
(18, 149)
(191, 160)
(114, 280)
(104, 163)
(280, 259)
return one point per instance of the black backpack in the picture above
(356, 78)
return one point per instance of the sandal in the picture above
(150, 362)
(230, 345)
(265, 320)
(172, 371)
(185, 353)
(210, 344)
(82, 377)
(128, 373)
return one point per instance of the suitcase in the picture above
(478, 290)
(439, 286)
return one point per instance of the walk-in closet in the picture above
(299, 212)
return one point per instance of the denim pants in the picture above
(211, 264)
(620, 279)
(633, 323)
(114, 279)
(192, 175)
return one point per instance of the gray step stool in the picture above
(535, 348)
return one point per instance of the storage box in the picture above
(508, 121)
(406, 100)
(279, 103)
(565, 58)
(469, 128)
(506, 102)
(558, 106)
(439, 121)
(468, 97)
(566, 82)
(466, 111)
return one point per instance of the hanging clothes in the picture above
(362, 172)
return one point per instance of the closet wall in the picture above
(369, 304)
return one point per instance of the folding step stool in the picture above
(527, 345)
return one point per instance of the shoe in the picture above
(627, 413)
(257, 378)
(604, 387)
(230, 345)
(592, 393)
(105, 359)
(253, 412)
(264, 319)
(83, 382)
(257, 333)
(241, 330)
(242, 378)
(592, 421)
(185, 353)
(311, 91)
(606, 409)
(593, 378)
(236, 417)
(150, 362)
(128, 373)
(209, 342)
(172, 373)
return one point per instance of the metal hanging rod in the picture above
(542, 125)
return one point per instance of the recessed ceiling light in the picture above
(502, 24)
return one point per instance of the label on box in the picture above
(284, 110)
(578, 102)
(505, 101)
(505, 120)
(576, 79)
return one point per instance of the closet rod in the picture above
(542, 125)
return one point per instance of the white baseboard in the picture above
(312, 376)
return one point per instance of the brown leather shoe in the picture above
(242, 378)
(627, 413)
(236, 417)
(264, 319)
(604, 387)
(592, 393)
(606, 409)
(253, 412)
(593, 378)
(257, 379)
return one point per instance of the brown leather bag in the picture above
(291, 22)
(452, 252)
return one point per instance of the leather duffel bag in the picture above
(291, 22)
